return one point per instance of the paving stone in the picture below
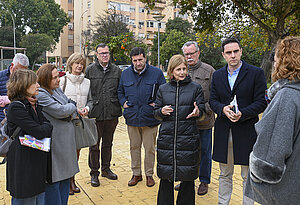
(117, 192)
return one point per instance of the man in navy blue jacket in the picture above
(20, 61)
(234, 133)
(137, 92)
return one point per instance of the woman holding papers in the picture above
(26, 167)
(59, 110)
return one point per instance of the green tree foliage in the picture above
(259, 23)
(37, 16)
(112, 30)
(36, 44)
(7, 39)
(180, 24)
(180, 31)
(120, 47)
(172, 44)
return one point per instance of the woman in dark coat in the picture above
(178, 104)
(26, 167)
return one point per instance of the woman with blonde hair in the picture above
(26, 169)
(275, 159)
(77, 87)
(178, 104)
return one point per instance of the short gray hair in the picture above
(190, 43)
(21, 59)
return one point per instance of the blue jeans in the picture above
(35, 200)
(57, 193)
(205, 164)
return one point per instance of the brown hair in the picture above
(175, 61)
(287, 59)
(19, 82)
(75, 58)
(44, 74)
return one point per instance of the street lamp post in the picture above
(14, 31)
(81, 21)
(158, 18)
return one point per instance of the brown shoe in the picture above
(109, 174)
(203, 189)
(95, 181)
(134, 180)
(73, 186)
(71, 192)
(177, 187)
(150, 181)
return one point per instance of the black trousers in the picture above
(186, 194)
(106, 130)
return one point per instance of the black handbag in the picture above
(86, 134)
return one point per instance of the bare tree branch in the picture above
(254, 18)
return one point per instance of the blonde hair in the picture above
(175, 61)
(75, 58)
(19, 82)
(287, 59)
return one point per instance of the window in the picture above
(70, 48)
(141, 24)
(114, 6)
(89, 4)
(70, 36)
(126, 19)
(132, 9)
(70, 13)
(142, 10)
(70, 1)
(125, 7)
(141, 35)
(119, 6)
(150, 24)
(89, 19)
(70, 26)
(131, 22)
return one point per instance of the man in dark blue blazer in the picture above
(234, 133)
(137, 91)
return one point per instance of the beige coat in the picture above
(77, 88)
(201, 73)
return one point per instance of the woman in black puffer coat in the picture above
(178, 104)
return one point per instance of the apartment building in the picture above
(83, 13)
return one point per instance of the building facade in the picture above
(83, 13)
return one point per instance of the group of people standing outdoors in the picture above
(43, 105)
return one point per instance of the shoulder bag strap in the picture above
(65, 84)
(17, 130)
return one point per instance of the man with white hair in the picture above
(201, 73)
(20, 61)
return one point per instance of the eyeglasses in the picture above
(103, 53)
(190, 54)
